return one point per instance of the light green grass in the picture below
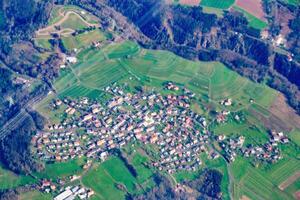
(73, 22)
(120, 50)
(44, 43)
(210, 10)
(119, 173)
(293, 2)
(138, 162)
(63, 169)
(55, 14)
(253, 21)
(9, 180)
(83, 40)
(295, 136)
(104, 183)
(221, 4)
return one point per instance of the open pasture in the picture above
(58, 12)
(295, 136)
(144, 173)
(103, 179)
(224, 4)
(43, 42)
(119, 173)
(10, 180)
(63, 169)
(120, 50)
(102, 183)
(83, 40)
(73, 22)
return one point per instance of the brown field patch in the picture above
(282, 110)
(297, 195)
(253, 7)
(289, 181)
(244, 197)
(190, 2)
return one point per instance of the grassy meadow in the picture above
(10, 180)
(224, 4)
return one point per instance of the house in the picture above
(71, 59)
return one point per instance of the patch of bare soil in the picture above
(289, 181)
(190, 2)
(254, 7)
(244, 197)
(282, 110)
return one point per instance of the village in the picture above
(92, 130)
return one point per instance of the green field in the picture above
(10, 180)
(253, 21)
(224, 4)
(255, 183)
(63, 169)
(103, 179)
(43, 42)
(295, 136)
(73, 22)
(210, 10)
(83, 40)
(293, 2)
(119, 173)
(58, 10)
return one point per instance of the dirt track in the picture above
(51, 28)
(190, 2)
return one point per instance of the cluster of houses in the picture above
(93, 129)
(268, 152)
(75, 192)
